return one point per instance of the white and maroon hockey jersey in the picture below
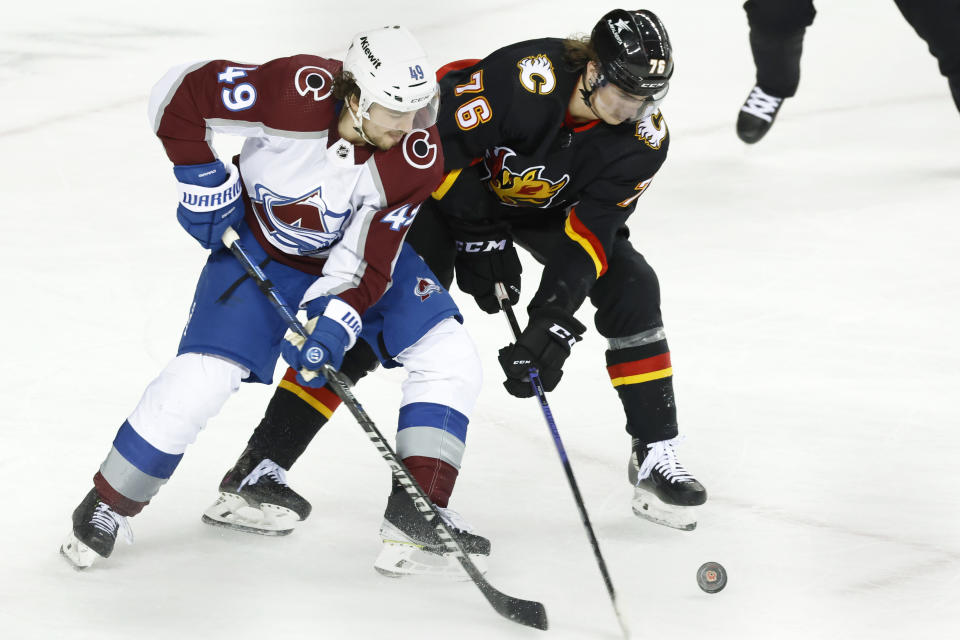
(314, 201)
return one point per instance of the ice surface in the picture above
(810, 291)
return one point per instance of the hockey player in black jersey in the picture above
(549, 144)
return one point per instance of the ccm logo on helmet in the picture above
(418, 150)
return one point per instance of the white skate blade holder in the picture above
(401, 557)
(233, 512)
(78, 554)
(648, 506)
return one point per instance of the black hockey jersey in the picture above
(514, 154)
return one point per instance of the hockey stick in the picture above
(541, 394)
(526, 612)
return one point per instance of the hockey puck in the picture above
(712, 577)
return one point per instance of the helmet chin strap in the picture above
(586, 93)
(358, 124)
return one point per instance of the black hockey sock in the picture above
(293, 417)
(296, 413)
(643, 378)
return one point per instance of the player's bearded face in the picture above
(385, 127)
(382, 137)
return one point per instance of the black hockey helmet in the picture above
(634, 51)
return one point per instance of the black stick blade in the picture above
(527, 612)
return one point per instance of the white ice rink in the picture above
(810, 295)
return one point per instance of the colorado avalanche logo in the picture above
(315, 80)
(418, 150)
(528, 187)
(302, 225)
(425, 288)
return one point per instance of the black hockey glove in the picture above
(484, 258)
(544, 344)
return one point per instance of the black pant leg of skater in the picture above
(777, 28)
(938, 23)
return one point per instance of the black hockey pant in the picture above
(627, 302)
(776, 41)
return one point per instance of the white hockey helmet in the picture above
(398, 85)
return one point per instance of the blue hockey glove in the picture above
(333, 328)
(210, 200)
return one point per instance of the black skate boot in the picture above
(411, 545)
(664, 492)
(757, 115)
(95, 530)
(255, 497)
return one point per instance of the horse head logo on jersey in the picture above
(302, 225)
(425, 288)
(528, 187)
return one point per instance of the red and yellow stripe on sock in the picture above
(639, 371)
(323, 400)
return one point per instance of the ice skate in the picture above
(757, 115)
(664, 491)
(255, 498)
(95, 530)
(411, 546)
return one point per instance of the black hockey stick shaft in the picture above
(541, 394)
(526, 612)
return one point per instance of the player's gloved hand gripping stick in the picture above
(538, 391)
(211, 200)
(526, 612)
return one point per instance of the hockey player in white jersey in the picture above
(337, 160)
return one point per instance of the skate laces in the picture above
(761, 104)
(268, 468)
(454, 519)
(662, 456)
(110, 522)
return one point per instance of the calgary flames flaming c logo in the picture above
(528, 187)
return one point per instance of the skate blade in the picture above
(399, 559)
(79, 555)
(649, 507)
(232, 512)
